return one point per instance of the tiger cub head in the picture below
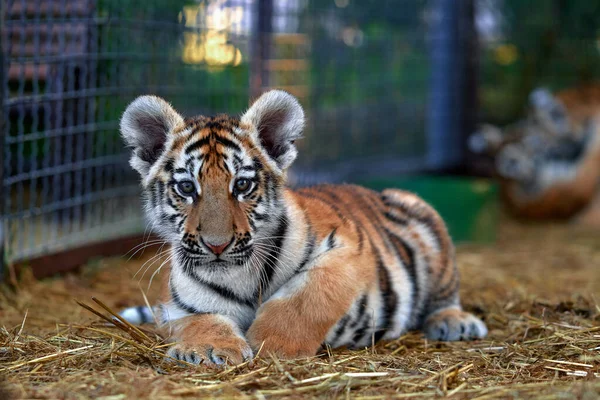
(213, 186)
(545, 135)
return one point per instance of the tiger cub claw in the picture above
(233, 353)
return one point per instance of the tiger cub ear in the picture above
(144, 126)
(279, 120)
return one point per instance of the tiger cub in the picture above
(549, 163)
(255, 264)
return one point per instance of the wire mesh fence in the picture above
(71, 69)
(363, 71)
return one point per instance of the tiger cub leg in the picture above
(446, 320)
(444, 317)
(295, 321)
(207, 339)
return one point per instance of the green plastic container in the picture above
(469, 206)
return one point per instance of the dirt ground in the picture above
(537, 289)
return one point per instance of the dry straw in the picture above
(535, 288)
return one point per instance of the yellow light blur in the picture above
(210, 45)
(506, 54)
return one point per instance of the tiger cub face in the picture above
(213, 186)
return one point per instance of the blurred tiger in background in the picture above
(549, 162)
(256, 265)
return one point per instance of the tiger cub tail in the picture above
(139, 315)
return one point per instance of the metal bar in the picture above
(442, 119)
(470, 76)
(75, 201)
(64, 167)
(260, 47)
(116, 22)
(107, 91)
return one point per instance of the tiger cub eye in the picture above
(242, 185)
(186, 188)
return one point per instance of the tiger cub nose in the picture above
(217, 248)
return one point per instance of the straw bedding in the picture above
(535, 289)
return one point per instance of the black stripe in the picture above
(426, 220)
(261, 217)
(169, 165)
(170, 201)
(345, 214)
(141, 314)
(333, 199)
(389, 298)
(410, 266)
(237, 162)
(196, 145)
(331, 239)
(441, 298)
(257, 163)
(215, 123)
(325, 201)
(191, 160)
(226, 293)
(396, 219)
(227, 143)
(360, 233)
(152, 195)
(360, 332)
(451, 286)
(164, 218)
(179, 303)
(361, 317)
(218, 289)
(268, 187)
(362, 307)
(373, 216)
(342, 323)
(272, 258)
(307, 253)
(160, 191)
(181, 170)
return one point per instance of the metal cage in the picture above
(364, 71)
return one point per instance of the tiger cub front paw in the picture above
(230, 351)
(284, 341)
